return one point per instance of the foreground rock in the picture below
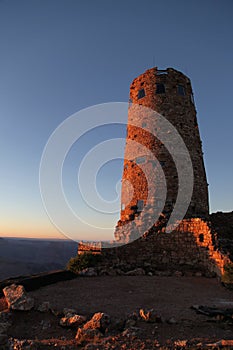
(150, 316)
(44, 307)
(72, 321)
(88, 335)
(217, 313)
(136, 272)
(99, 321)
(17, 299)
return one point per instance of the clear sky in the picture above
(60, 56)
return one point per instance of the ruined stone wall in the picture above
(176, 103)
(189, 247)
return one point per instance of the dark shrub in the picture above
(82, 261)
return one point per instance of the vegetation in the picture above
(227, 277)
(82, 261)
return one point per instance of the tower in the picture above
(161, 118)
(169, 93)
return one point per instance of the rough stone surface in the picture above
(17, 298)
(180, 111)
(136, 272)
(73, 321)
(150, 316)
(85, 335)
(99, 321)
(44, 307)
(88, 272)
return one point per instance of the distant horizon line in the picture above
(37, 238)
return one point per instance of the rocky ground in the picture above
(119, 312)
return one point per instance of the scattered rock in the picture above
(178, 274)
(150, 274)
(111, 272)
(73, 321)
(181, 343)
(44, 307)
(131, 331)
(133, 316)
(198, 274)
(150, 316)
(222, 343)
(69, 312)
(99, 321)
(86, 335)
(45, 324)
(88, 272)
(17, 298)
(218, 314)
(57, 313)
(24, 344)
(130, 323)
(136, 272)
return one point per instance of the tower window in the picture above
(162, 163)
(144, 125)
(201, 238)
(140, 204)
(181, 90)
(140, 160)
(141, 93)
(122, 206)
(160, 89)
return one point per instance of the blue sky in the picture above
(60, 56)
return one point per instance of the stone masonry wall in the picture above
(177, 106)
(189, 247)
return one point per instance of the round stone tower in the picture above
(169, 93)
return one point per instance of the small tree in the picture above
(82, 261)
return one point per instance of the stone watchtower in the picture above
(169, 93)
(142, 239)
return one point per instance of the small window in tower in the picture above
(140, 204)
(126, 166)
(122, 206)
(141, 93)
(160, 88)
(162, 163)
(144, 125)
(181, 90)
(140, 160)
(201, 238)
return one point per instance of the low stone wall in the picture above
(36, 281)
(189, 247)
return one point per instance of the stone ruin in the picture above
(192, 244)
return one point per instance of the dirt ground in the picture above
(119, 296)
